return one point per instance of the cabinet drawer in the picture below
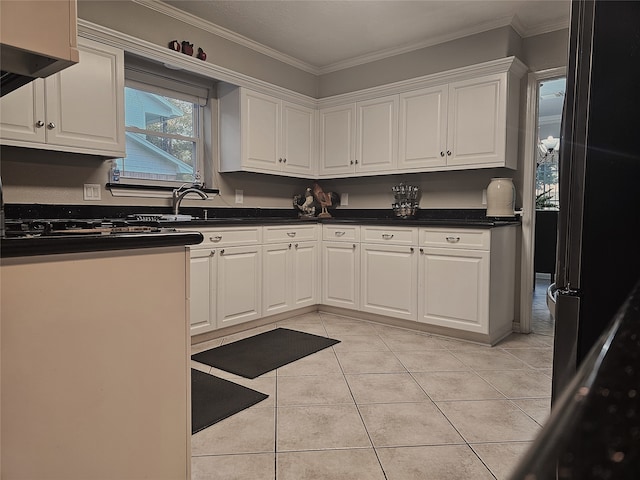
(455, 238)
(288, 233)
(341, 233)
(391, 235)
(230, 236)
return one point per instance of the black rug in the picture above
(253, 356)
(214, 399)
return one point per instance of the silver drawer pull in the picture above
(453, 239)
(291, 234)
(339, 234)
(217, 238)
(387, 236)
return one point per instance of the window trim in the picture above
(160, 89)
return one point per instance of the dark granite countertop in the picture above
(594, 427)
(203, 218)
(50, 245)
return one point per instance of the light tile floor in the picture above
(385, 403)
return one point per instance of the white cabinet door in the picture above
(389, 275)
(454, 288)
(239, 292)
(305, 274)
(276, 280)
(377, 134)
(423, 128)
(290, 276)
(22, 113)
(202, 291)
(477, 125)
(337, 140)
(261, 130)
(83, 109)
(341, 274)
(298, 139)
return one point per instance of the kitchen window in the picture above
(164, 127)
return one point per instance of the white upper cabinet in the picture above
(477, 122)
(261, 133)
(79, 110)
(298, 139)
(377, 134)
(423, 128)
(337, 140)
(467, 118)
(359, 137)
(462, 124)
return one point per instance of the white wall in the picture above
(32, 176)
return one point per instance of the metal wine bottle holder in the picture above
(406, 200)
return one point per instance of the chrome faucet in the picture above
(179, 194)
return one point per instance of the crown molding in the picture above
(382, 54)
(222, 32)
(513, 21)
(179, 61)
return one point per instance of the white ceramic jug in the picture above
(501, 197)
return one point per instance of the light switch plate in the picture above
(239, 196)
(344, 199)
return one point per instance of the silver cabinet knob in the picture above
(51, 125)
(291, 234)
(39, 124)
(453, 239)
(216, 238)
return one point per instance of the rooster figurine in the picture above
(325, 200)
(307, 207)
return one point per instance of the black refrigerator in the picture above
(598, 249)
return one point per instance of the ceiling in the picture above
(321, 36)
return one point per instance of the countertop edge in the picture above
(53, 245)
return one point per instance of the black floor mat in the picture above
(214, 399)
(253, 356)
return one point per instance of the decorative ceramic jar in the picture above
(501, 196)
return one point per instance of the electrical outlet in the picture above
(239, 196)
(344, 199)
(92, 191)
(484, 196)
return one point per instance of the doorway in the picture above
(545, 101)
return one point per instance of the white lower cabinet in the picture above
(389, 271)
(289, 267)
(202, 298)
(225, 279)
(341, 274)
(466, 280)
(454, 288)
(290, 276)
(239, 287)
(389, 275)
